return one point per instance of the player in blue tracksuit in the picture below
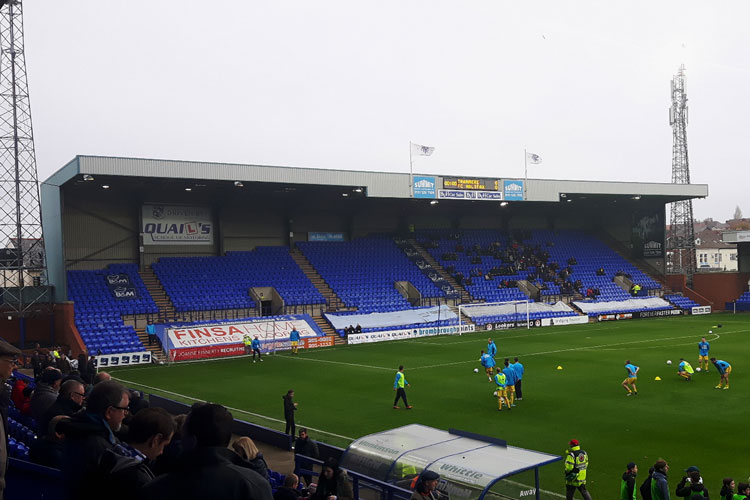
(491, 348)
(488, 362)
(294, 339)
(255, 345)
(510, 381)
(518, 367)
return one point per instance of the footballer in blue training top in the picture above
(703, 348)
(491, 348)
(488, 362)
(631, 378)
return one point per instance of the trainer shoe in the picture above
(409, 407)
(717, 387)
(519, 399)
(629, 394)
(395, 407)
(635, 394)
(513, 405)
(499, 409)
(726, 387)
(261, 360)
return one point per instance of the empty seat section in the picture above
(98, 312)
(219, 283)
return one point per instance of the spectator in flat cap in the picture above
(46, 392)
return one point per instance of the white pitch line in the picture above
(342, 363)
(272, 419)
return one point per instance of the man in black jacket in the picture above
(306, 447)
(289, 408)
(207, 468)
(69, 401)
(88, 434)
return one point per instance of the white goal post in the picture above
(512, 311)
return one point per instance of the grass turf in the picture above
(347, 392)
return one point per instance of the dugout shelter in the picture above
(471, 466)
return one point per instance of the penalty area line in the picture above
(238, 410)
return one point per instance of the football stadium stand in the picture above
(100, 299)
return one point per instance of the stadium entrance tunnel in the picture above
(471, 466)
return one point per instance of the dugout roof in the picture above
(469, 465)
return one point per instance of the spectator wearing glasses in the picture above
(69, 401)
(88, 434)
(8, 357)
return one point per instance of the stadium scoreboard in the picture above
(471, 184)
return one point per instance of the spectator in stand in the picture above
(45, 393)
(102, 377)
(8, 361)
(208, 468)
(48, 450)
(21, 396)
(246, 448)
(88, 434)
(289, 408)
(306, 447)
(289, 491)
(645, 488)
(659, 485)
(358, 329)
(169, 460)
(69, 401)
(85, 369)
(63, 363)
(600, 271)
(36, 362)
(727, 488)
(333, 483)
(128, 469)
(691, 484)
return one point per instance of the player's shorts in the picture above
(295, 343)
(702, 357)
(511, 388)
(631, 380)
(728, 370)
(502, 393)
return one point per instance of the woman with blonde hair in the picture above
(246, 448)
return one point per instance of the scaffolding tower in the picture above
(23, 277)
(681, 235)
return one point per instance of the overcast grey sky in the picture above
(347, 84)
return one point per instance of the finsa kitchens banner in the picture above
(177, 225)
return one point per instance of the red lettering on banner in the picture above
(233, 330)
(179, 333)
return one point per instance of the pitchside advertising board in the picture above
(226, 339)
(640, 314)
(133, 358)
(565, 320)
(367, 338)
(177, 225)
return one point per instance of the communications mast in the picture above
(23, 276)
(681, 235)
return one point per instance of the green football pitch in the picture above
(347, 392)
